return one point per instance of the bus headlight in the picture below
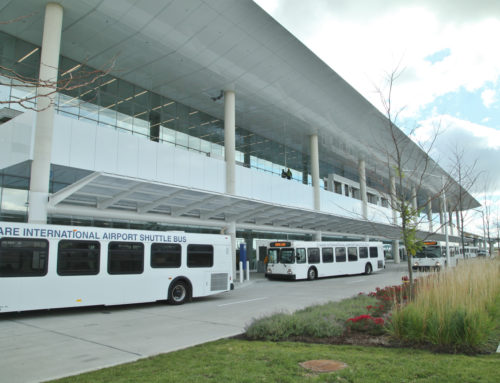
(438, 264)
(415, 264)
(269, 271)
(289, 271)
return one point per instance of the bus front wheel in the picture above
(368, 269)
(178, 294)
(311, 273)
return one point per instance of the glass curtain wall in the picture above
(113, 103)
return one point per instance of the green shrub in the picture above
(320, 321)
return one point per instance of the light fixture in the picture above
(140, 93)
(108, 82)
(72, 69)
(27, 55)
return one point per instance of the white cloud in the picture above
(452, 129)
(489, 97)
(363, 40)
(480, 145)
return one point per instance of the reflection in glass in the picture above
(14, 200)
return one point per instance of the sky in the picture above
(448, 57)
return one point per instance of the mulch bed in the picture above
(363, 339)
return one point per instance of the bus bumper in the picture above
(290, 277)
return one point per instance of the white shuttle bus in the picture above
(311, 260)
(51, 266)
(432, 256)
(470, 251)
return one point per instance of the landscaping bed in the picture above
(457, 311)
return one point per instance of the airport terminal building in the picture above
(183, 114)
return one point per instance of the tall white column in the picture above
(231, 231)
(395, 251)
(362, 188)
(313, 140)
(394, 201)
(429, 214)
(450, 214)
(318, 236)
(441, 215)
(42, 149)
(229, 139)
(414, 203)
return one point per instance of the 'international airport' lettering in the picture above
(9, 231)
(64, 234)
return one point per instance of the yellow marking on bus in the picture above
(78, 300)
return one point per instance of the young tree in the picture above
(410, 170)
(487, 215)
(466, 177)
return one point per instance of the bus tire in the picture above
(178, 293)
(312, 274)
(368, 269)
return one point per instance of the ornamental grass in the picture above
(452, 308)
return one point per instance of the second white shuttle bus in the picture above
(311, 260)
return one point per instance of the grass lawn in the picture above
(232, 360)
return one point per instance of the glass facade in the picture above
(113, 103)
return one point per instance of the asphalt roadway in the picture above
(45, 345)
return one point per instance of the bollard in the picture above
(248, 271)
(241, 272)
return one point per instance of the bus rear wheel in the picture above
(368, 269)
(311, 273)
(178, 294)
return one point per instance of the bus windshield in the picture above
(287, 256)
(429, 252)
(273, 255)
(281, 256)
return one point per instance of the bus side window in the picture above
(200, 256)
(313, 255)
(340, 254)
(23, 257)
(327, 254)
(125, 258)
(78, 257)
(373, 252)
(165, 255)
(363, 252)
(352, 254)
(301, 256)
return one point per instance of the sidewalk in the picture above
(402, 265)
(254, 277)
